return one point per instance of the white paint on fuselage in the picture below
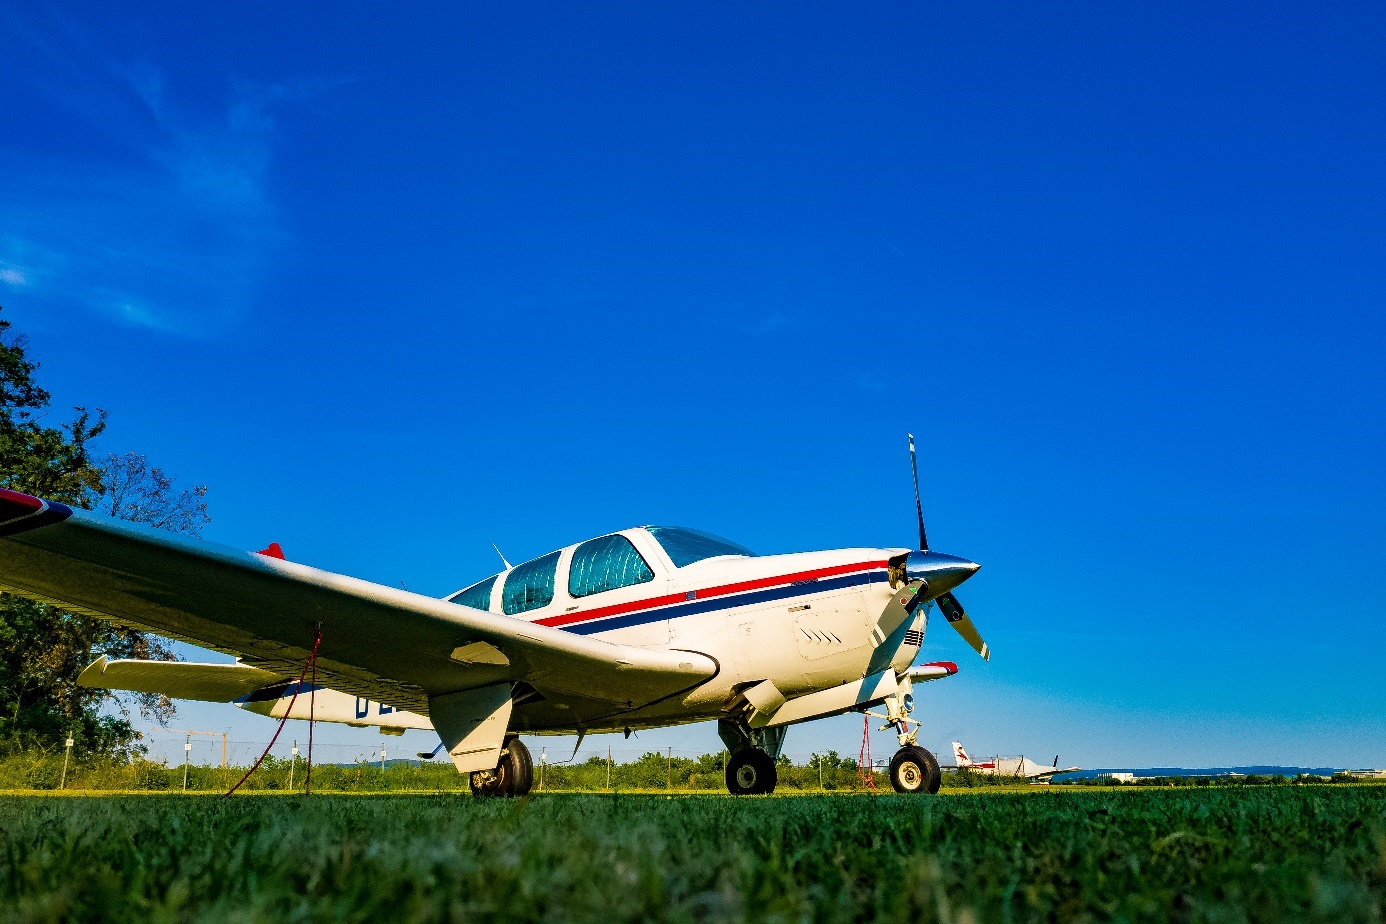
(809, 636)
(806, 621)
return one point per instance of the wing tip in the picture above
(91, 674)
(20, 512)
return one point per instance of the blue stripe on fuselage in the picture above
(733, 601)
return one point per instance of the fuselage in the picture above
(806, 621)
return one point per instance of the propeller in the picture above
(940, 574)
(918, 507)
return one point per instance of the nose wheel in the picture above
(913, 769)
(751, 773)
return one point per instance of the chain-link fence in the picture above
(200, 761)
(216, 750)
(203, 750)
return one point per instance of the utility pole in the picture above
(223, 750)
(382, 757)
(66, 754)
(543, 764)
(293, 762)
(608, 766)
(669, 770)
(187, 757)
(820, 773)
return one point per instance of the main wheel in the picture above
(513, 776)
(914, 769)
(751, 773)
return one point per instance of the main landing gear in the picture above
(751, 773)
(751, 768)
(513, 776)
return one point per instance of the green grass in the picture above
(1259, 854)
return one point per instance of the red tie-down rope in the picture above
(864, 758)
(312, 662)
(312, 723)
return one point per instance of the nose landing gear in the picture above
(913, 769)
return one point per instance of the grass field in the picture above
(1258, 854)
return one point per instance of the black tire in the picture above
(751, 773)
(513, 776)
(914, 770)
(516, 769)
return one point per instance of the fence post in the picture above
(223, 750)
(608, 766)
(669, 770)
(543, 764)
(67, 753)
(820, 774)
(293, 763)
(187, 756)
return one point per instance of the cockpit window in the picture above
(606, 564)
(685, 546)
(478, 596)
(529, 586)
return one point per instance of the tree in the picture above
(34, 458)
(43, 647)
(132, 490)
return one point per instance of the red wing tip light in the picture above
(273, 551)
(20, 512)
(14, 505)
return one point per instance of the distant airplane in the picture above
(1019, 767)
(642, 628)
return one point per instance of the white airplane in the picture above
(642, 628)
(1019, 767)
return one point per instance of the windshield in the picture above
(686, 546)
(478, 596)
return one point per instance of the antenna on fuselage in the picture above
(507, 564)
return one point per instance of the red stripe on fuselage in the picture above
(567, 619)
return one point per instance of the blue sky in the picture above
(400, 286)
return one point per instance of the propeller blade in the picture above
(957, 617)
(918, 507)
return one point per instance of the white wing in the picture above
(380, 643)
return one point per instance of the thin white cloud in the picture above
(171, 226)
(769, 324)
